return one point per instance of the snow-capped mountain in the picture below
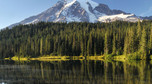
(79, 11)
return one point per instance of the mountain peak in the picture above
(76, 11)
(93, 4)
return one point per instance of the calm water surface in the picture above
(75, 72)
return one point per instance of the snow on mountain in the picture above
(114, 16)
(79, 11)
(85, 4)
(121, 17)
(68, 4)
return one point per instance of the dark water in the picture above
(76, 72)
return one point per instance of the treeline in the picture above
(78, 39)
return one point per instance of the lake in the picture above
(75, 72)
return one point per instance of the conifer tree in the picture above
(150, 41)
(143, 44)
(114, 45)
(106, 45)
(41, 46)
(139, 30)
(126, 43)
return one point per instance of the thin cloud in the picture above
(147, 12)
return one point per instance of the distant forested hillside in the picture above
(78, 39)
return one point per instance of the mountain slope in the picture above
(74, 11)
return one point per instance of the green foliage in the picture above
(78, 39)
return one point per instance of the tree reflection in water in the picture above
(76, 72)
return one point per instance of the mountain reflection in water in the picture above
(76, 72)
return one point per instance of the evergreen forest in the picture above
(134, 40)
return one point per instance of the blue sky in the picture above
(12, 11)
